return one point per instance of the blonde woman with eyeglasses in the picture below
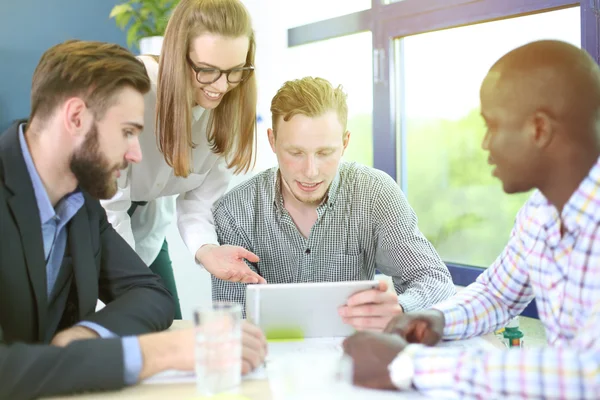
(199, 129)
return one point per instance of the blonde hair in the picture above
(311, 97)
(232, 125)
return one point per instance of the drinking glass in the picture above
(218, 348)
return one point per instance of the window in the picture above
(462, 209)
(352, 68)
(307, 11)
(430, 57)
(426, 129)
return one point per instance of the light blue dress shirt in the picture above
(54, 233)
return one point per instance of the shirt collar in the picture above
(66, 207)
(582, 207)
(41, 196)
(197, 112)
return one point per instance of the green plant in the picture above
(144, 17)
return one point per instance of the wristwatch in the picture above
(402, 368)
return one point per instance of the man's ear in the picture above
(77, 117)
(346, 140)
(540, 129)
(271, 135)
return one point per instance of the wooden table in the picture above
(253, 389)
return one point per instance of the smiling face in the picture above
(213, 51)
(309, 150)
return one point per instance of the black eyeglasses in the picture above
(206, 75)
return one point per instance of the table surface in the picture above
(252, 389)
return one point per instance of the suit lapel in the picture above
(26, 214)
(24, 210)
(84, 266)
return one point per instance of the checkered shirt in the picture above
(365, 223)
(562, 273)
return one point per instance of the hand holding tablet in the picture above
(304, 310)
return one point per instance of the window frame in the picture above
(409, 17)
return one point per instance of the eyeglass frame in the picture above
(197, 70)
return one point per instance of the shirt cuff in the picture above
(408, 303)
(132, 353)
(100, 330)
(197, 240)
(434, 371)
(132, 359)
(454, 319)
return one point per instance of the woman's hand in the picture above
(227, 262)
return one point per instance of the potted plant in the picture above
(145, 21)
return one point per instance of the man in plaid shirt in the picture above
(315, 218)
(541, 105)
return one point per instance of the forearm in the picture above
(202, 250)
(136, 301)
(194, 208)
(157, 354)
(536, 373)
(32, 371)
(427, 287)
(198, 233)
(478, 309)
(139, 310)
(421, 279)
(472, 312)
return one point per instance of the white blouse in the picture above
(152, 180)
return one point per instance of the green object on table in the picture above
(284, 334)
(513, 337)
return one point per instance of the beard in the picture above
(313, 200)
(92, 169)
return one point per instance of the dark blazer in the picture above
(103, 266)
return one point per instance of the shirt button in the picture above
(307, 251)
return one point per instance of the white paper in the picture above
(331, 345)
(360, 393)
(171, 376)
(256, 375)
(281, 350)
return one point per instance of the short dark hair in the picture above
(94, 71)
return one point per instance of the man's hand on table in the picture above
(425, 327)
(176, 350)
(372, 353)
(78, 332)
(254, 347)
(371, 309)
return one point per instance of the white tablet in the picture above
(301, 310)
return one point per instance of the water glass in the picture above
(218, 348)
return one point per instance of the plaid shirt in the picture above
(365, 223)
(563, 275)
